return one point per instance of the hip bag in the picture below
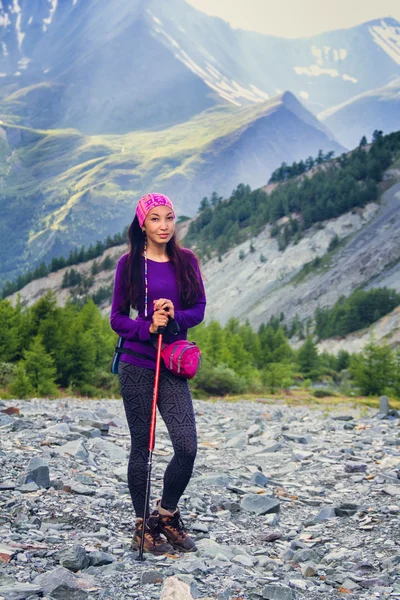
(182, 357)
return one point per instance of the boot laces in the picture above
(153, 530)
(176, 522)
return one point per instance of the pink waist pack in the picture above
(182, 358)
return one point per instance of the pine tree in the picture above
(308, 357)
(373, 368)
(21, 386)
(40, 369)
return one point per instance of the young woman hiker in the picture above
(162, 281)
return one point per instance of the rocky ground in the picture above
(285, 503)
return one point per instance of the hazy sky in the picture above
(297, 18)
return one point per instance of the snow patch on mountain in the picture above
(327, 53)
(4, 20)
(23, 63)
(155, 18)
(257, 91)
(349, 78)
(388, 38)
(316, 71)
(48, 20)
(339, 54)
(16, 9)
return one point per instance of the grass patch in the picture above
(318, 265)
(305, 397)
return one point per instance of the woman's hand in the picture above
(159, 319)
(165, 304)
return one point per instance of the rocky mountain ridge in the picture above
(353, 118)
(61, 189)
(57, 70)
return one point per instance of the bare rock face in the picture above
(174, 589)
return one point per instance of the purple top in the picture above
(161, 284)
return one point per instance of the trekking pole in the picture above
(152, 436)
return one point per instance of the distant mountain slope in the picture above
(109, 67)
(256, 290)
(378, 108)
(386, 330)
(61, 188)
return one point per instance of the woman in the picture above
(162, 281)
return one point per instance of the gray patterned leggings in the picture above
(176, 408)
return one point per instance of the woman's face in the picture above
(159, 224)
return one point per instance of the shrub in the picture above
(219, 380)
(323, 393)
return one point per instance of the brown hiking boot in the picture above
(153, 540)
(171, 526)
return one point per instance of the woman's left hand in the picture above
(165, 304)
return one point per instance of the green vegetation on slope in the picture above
(344, 183)
(75, 257)
(71, 174)
(359, 310)
(46, 348)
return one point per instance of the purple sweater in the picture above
(162, 283)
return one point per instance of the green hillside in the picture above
(61, 189)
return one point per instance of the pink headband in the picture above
(146, 203)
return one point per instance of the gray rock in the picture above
(38, 471)
(19, 591)
(259, 479)
(210, 549)
(65, 592)
(238, 441)
(174, 589)
(346, 509)
(302, 455)
(80, 488)
(384, 407)
(197, 526)
(327, 512)
(121, 473)
(58, 576)
(25, 488)
(243, 559)
(5, 419)
(231, 506)
(300, 439)
(74, 558)
(102, 427)
(352, 467)
(308, 570)
(277, 592)
(219, 479)
(273, 447)
(98, 558)
(87, 432)
(75, 448)
(59, 429)
(305, 555)
(7, 485)
(101, 447)
(259, 504)
(151, 577)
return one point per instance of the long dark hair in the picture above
(188, 282)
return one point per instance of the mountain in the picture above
(378, 108)
(60, 188)
(242, 285)
(105, 67)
